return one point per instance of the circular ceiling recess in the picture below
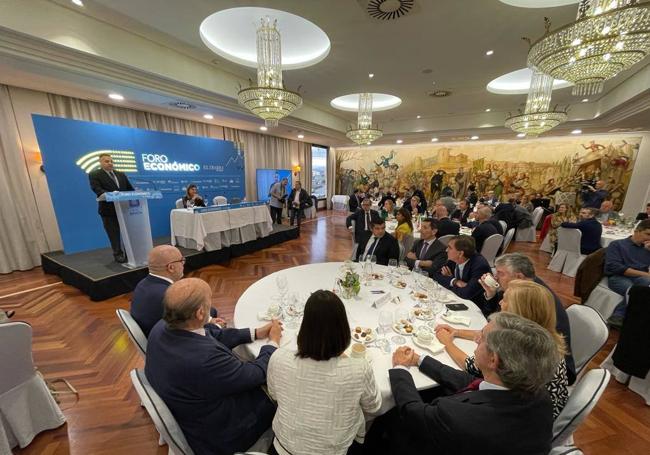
(232, 34)
(380, 102)
(538, 3)
(517, 83)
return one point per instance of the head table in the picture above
(304, 279)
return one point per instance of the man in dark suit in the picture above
(353, 203)
(445, 225)
(104, 180)
(215, 397)
(484, 228)
(298, 201)
(462, 212)
(506, 413)
(464, 269)
(363, 218)
(428, 253)
(591, 230)
(422, 205)
(166, 264)
(381, 245)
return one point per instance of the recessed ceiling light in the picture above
(576, 132)
(490, 52)
(488, 110)
(517, 83)
(521, 135)
(474, 138)
(78, 2)
(371, 75)
(208, 116)
(419, 116)
(585, 100)
(263, 128)
(301, 136)
(434, 139)
(116, 96)
(399, 141)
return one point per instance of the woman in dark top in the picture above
(192, 198)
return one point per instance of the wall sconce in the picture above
(296, 169)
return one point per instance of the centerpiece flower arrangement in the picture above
(350, 284)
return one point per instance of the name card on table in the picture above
(381, 300)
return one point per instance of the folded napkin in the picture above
(457, 319)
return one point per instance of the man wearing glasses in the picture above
(165, 267)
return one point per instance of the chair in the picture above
(507, 239)
(537, 216)
(219, 200)
(582, 400)
(134, 331)
(405, 245)
(565, 450)
(589, 334)
(355, 244)
(491, 247)
(445, 239)
(179, 203)
(26, 404)
(603, 299)
(504, 225)
(567, 257)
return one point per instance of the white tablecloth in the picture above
(611, 234)
(308, 278)
(392, 225)
(218, 229)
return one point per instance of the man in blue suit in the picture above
(216, 398)
(464, 269)
(166, 264)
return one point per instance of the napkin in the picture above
(457, 319)
(381, 300)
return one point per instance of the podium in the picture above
(135, 229)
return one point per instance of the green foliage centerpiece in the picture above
(350, 284)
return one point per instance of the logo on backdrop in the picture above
(157, 162)
(123, 161)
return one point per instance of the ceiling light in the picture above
(490, 52)
(78, 2)
(116, 96)
(517, 83)
(584, 100)
(474, 138)
(364, 131)
(371, 75)
(380, 102)
(488, 110)
(434, 139)
(263, 128)
(301, 136)
(419, 116)
(208, 116)
(399, 141)
(521, 135)
(576, 132)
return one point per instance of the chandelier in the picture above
(364, 132)
(537, 118)
(607, 37)
(269, 99)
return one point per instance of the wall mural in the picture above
(507, 168)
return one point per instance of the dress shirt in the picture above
(372, 244)
(296, 198)
(169, 280)
(458, 271)
(484, 385)
(366, 217)
(201, 331)
(423, 250)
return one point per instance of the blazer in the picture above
(436, 252)
(101, 182)
(422, 206)
(591, 230)
(486, 421)
(387, 248)
(482, 232)
(353, 203)
(631, 352)
(461, 215)
(447, 227)
(215, 397)
(304, 199)
(474, 269)
(360, 233)
(198, 201)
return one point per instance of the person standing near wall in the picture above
(278, 196)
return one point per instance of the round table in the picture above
(611, 233)
(308, 278)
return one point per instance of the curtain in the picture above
(21, 233)
(331, 176)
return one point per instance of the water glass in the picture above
(392, 266)
(385, 321)
(283, 285)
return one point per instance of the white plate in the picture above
(265, 316)
(368, 356)
(395, 285)
(397, 327)
(435, 347)
(420, 297)
(445, 298)
(365, 340)
(421, 316)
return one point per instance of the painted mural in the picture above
(552, 167)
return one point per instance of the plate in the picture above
(445, 298)
(435, 347)
(367, 358)
(293, 311)
(359, 336)
(404, 327)
(376, 276)
(423, 314)
(399, 284)
(419, 296)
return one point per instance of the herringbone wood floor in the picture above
(84, 342)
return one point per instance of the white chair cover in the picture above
(220, 200)
(582, 400)
(565, 450)
(526, 234)
(134, 331)
(491, 247)
(26, 405)
(507, 239)
(405, 245)
(537, 216)
(546, 244)
(640, 386)
(567, 258)
(179, 203)
(589, 334)
(445, 239)
(603, 299)
(504, 225)
(340, 202)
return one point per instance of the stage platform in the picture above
(96, 274)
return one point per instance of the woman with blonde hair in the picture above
(531, 301)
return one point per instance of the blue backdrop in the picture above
(267, 177)
(152, 160)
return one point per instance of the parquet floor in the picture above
(84, 342)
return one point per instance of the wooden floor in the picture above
(84, 342)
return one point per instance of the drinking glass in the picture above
(392, 266)
(385, 321)
(373, 261)
(291, 315)
(403, 268)
(283, 285)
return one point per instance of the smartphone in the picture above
(457, 306)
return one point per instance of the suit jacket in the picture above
(198, 201)
(422, 206)
(631, 353)
(483, 421)
(436, 252)
(216, 398)
(461, 215)
(304, 199)
(101, 182)
(387, 248)
(494, 222)
(482, 232)
(591, 230)
(447, 227)
(353, 203)
(360, 233)
(474, 269)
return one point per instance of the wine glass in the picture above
(283, 285)
(400, 315)
(291, 312)
(373, 261)
(392, 266)
(403, 268)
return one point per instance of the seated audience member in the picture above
(445, 225)
(644, 215)
(563, 214)
(525, 203)
(531, 301)
(593, 196)
(192, 198)
(448, 202)
(591, 230)
(355, 200)
(462, 212)
(381, 245)
(464, 269)
(388, 210)
(298, 201)
(507, 412)
(414, 206)
(363, 218)
(540, 201)
(428, 253)
(521, 218)
(472, 196)
(388, 194)
(505, 212)
(491, 199)
(627, 264)
(484, 228)
(165, 267)
(344, 391)
(215, 397)
(422, 206)
(404, 224)
(607, 212)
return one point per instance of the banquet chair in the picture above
(235, 200)
(219, 200)
(566, 450)
(589, 334)
(582, 400)
(507, 239)
(537, 216)
(405, 245)
(603, 299)
(179, 203)
(491, 247)
(504, 225)
(567, 257)
(445, 239)
(26, 404)
(546, 245)
(134, 331)
(355, 244)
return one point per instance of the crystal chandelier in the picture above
(364, 132)
(269, 99)
(537, 118)
(607, 37)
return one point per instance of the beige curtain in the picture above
(331, 175)
(21, 233)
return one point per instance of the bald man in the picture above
(165, 267)
(216, 398)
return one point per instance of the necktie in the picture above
(371, 250)
(457, 272)
(114, 177)
(424, 249)
(367, 221)
(472, 386)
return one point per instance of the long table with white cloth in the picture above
(212, 228)
(252, 311)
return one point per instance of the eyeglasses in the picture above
(181, 260)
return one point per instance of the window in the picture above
(319, 171)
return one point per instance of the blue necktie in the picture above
(372, 248)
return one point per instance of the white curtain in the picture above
(331, 175)
(21, 233)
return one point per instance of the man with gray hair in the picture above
(215, 397)
(485, 228)
(506, 412)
